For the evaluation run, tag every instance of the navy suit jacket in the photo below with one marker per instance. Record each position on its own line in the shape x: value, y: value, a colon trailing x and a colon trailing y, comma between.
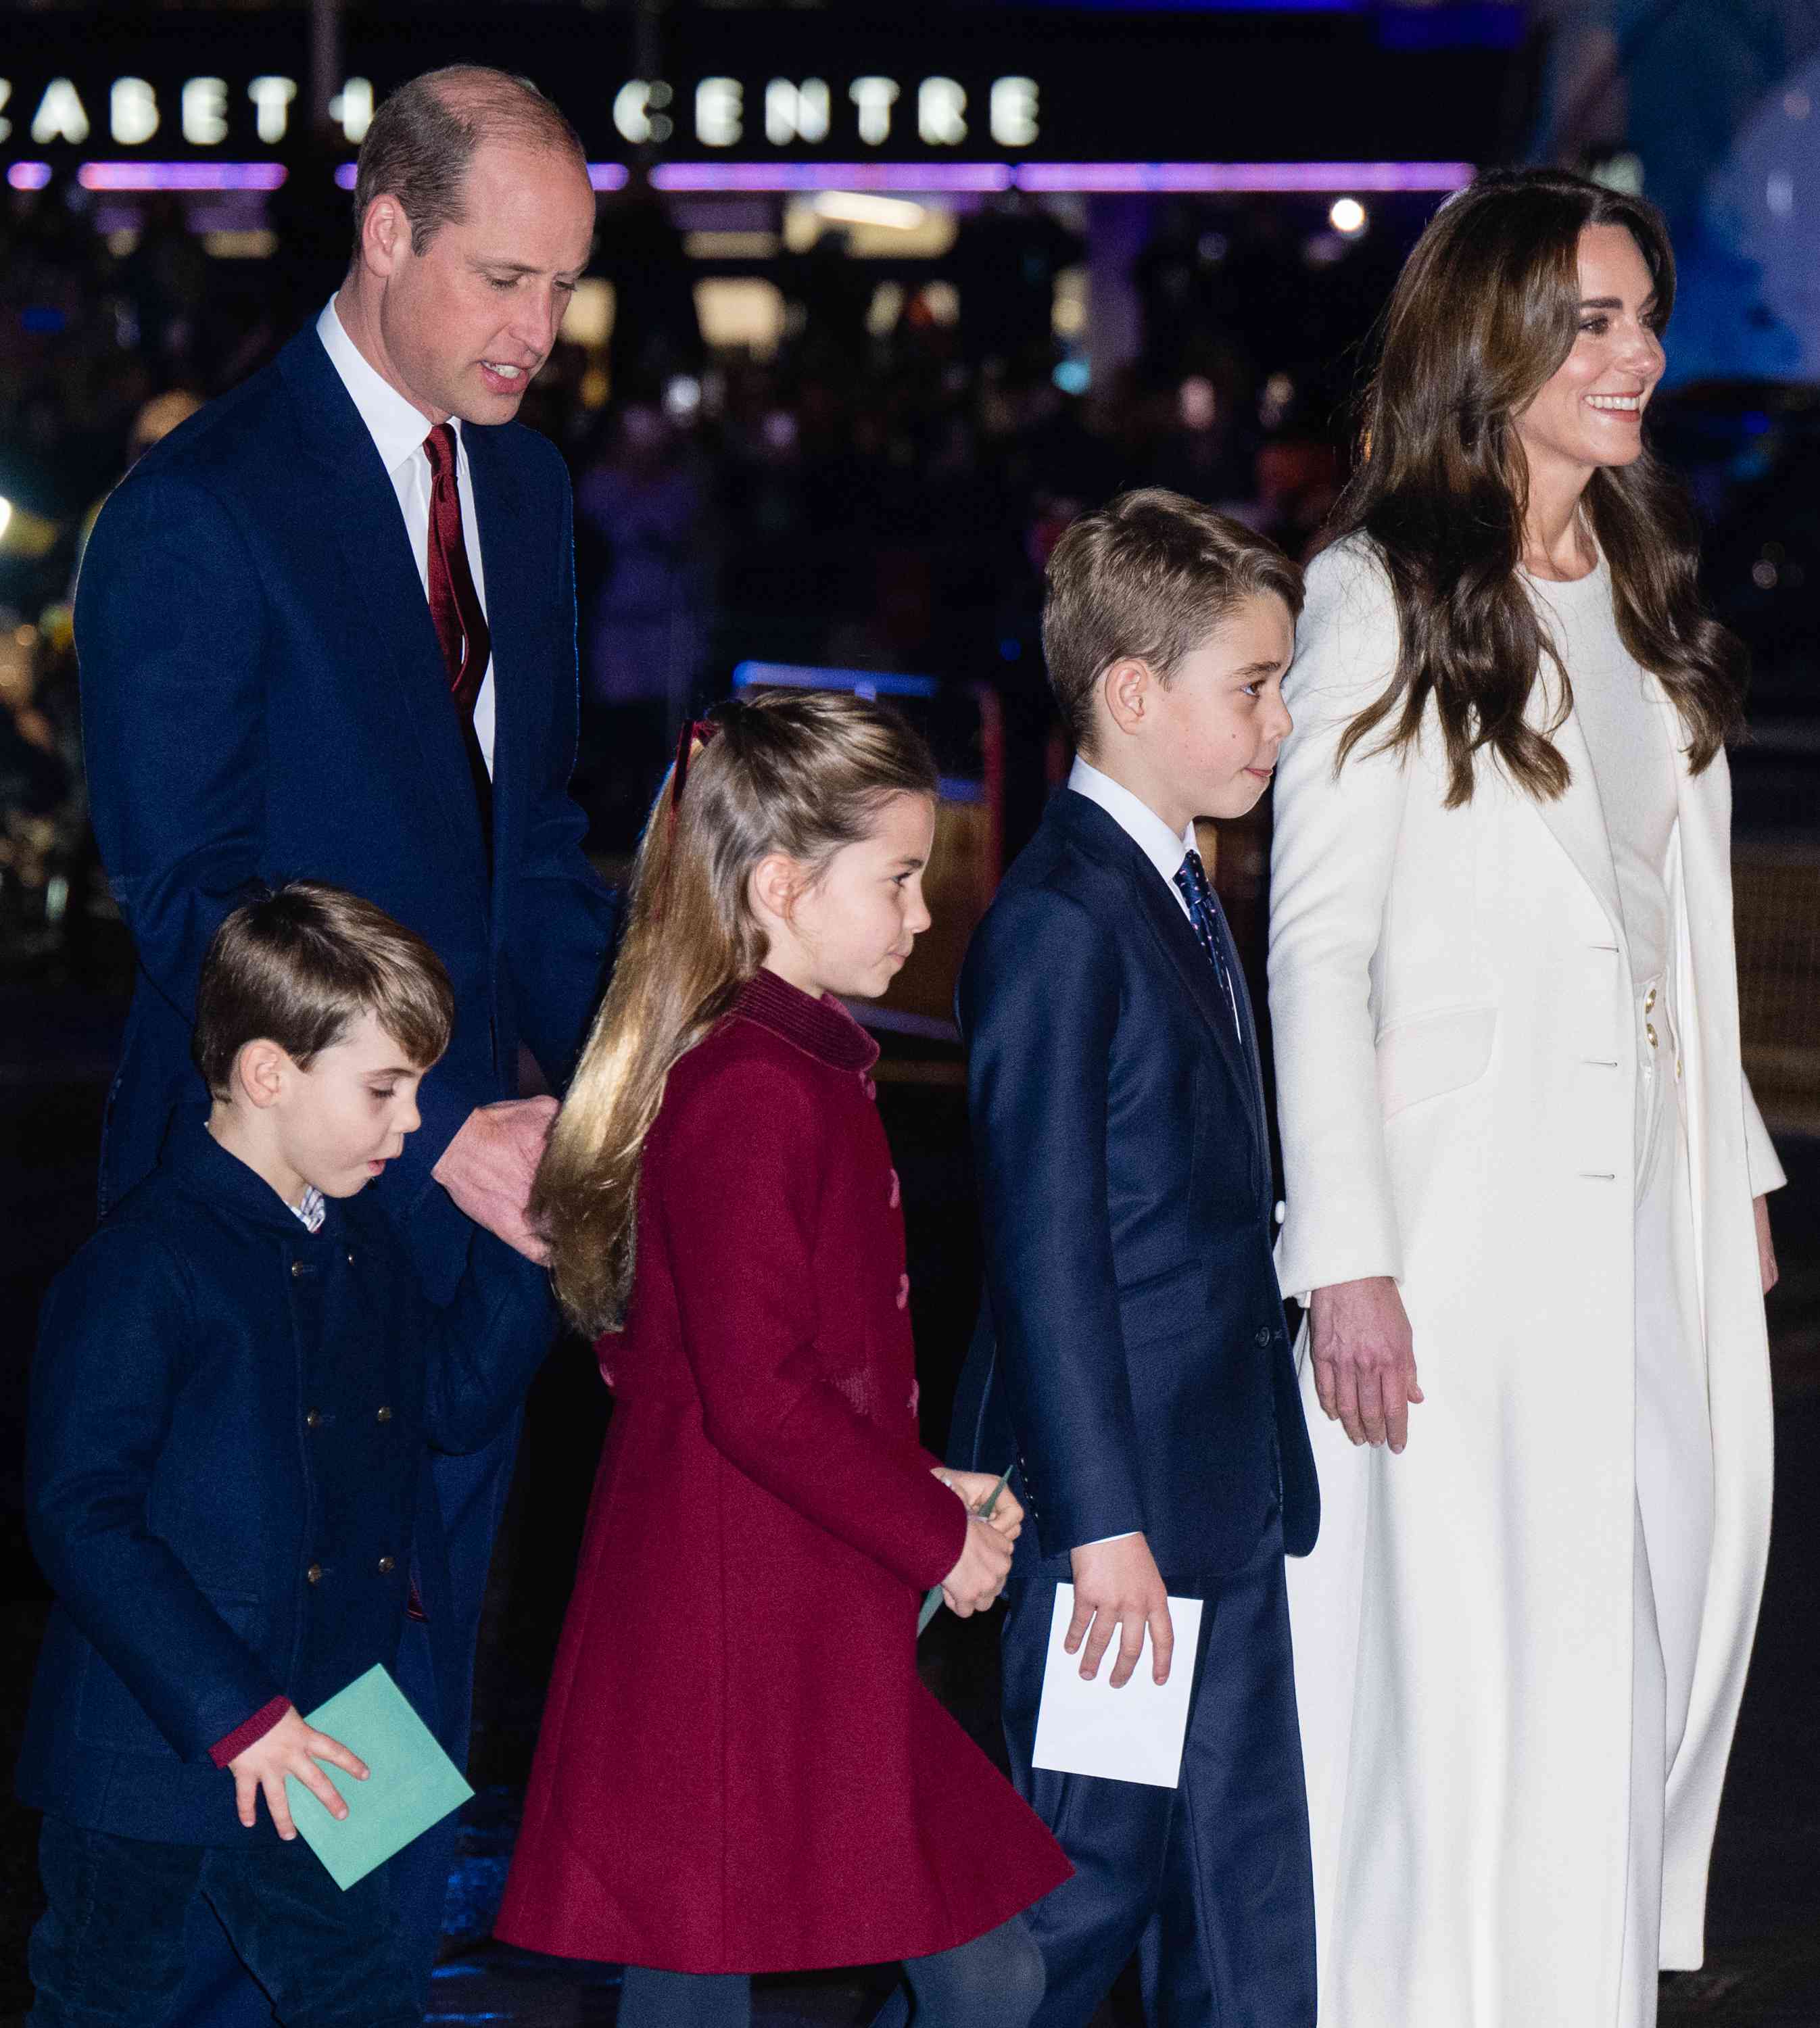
x: 224, y: 1402
x: 264, y: 697
x: 1133, y: 1357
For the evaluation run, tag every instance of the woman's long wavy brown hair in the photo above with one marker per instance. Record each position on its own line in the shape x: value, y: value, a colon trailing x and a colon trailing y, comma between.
x: 1484, y: 313
x: 799, y: 772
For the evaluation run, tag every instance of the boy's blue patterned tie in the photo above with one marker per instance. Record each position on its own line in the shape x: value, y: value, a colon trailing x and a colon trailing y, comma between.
x: 1210, y: 931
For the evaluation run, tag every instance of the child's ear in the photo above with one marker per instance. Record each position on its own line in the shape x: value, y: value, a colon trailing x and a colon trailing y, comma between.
x: 1126, y: 689
x: 259, y: 1073
x: 776, y: 881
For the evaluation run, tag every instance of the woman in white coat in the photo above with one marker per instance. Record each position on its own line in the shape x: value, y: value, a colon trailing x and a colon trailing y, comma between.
x: 1521, y: 1154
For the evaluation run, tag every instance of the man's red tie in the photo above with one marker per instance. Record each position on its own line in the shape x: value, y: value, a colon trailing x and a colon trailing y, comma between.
x: 454, y: 603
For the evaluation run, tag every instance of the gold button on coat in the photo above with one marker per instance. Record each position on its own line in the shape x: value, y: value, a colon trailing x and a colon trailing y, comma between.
x: 313, y: 1419
x: 1650, y: 1031
x: 314, y: 1573
x: 385, y: 1414
x: 386, y: 1566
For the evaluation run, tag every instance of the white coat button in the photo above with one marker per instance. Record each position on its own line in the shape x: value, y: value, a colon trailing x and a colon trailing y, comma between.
x: 1281, y: 1211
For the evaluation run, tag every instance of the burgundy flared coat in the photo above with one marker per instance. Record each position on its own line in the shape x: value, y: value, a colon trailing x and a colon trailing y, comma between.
x: 739, y: 1769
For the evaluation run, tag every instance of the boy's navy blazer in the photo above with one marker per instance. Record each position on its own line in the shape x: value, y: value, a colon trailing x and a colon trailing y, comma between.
x: 222, y: 1402
x: 1132, y: 1357
x: 264, y: 697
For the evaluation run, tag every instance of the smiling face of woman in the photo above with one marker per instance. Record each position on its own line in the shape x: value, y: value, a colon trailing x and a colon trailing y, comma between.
x: 1589, y: 412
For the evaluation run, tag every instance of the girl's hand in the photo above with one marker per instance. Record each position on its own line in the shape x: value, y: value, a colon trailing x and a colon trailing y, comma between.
x: 977, y: 1580
x: 975, y: 1488
x: 292, y: 1747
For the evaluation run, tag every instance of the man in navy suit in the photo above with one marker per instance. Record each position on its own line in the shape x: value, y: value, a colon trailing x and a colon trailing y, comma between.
x: 328, y: 628
x: 1133, y: 1358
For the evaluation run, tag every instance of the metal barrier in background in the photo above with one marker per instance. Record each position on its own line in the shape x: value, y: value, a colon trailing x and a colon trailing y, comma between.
x: 1776, y: 908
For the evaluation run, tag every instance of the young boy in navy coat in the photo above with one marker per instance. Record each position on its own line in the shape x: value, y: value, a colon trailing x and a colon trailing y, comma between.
x: 1133, y: 1358
x: 238, y: 1382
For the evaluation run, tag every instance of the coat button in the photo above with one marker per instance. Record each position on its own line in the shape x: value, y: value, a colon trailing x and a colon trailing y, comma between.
x: 313, y: 1419
x: 903, y: 1292
x: 386, y: 1566
x: 314, y: 1573
x: 350, y: 1256
x: 385, y: 1414
x: 1280, y: 1212
x: 1263, y: 1336
x: 298, y: 1270
x: 896, y: 1191
x: 1649, y: 1001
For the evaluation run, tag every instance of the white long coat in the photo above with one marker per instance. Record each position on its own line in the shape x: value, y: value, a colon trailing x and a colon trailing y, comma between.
x: 1456, y: 1043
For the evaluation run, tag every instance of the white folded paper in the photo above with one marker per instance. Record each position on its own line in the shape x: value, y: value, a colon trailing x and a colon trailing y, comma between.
x: 1131, y: 1734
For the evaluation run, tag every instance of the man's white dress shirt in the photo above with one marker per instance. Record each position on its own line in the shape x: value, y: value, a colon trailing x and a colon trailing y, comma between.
x: 398, y: 430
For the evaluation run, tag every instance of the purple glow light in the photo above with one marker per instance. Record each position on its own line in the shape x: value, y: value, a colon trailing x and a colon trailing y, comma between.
x: 181, y: 175
x: 607, y: 176
x: 911, y: 176
x: 1261, y: 178
x: 28, y: 176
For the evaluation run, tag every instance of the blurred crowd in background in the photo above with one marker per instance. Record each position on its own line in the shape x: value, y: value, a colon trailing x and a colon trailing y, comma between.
x: 875, y: 485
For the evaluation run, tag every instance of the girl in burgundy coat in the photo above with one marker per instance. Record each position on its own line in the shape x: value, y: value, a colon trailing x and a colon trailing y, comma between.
x: 739, y: 1771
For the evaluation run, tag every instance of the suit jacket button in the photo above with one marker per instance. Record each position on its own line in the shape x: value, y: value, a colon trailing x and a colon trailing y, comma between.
x: 386, y: 1566
x: 298, y: 1270
x: 314, y: 1573
x: 1263, y: 1336
x: 313, y: 1419
x: 385, y: 1414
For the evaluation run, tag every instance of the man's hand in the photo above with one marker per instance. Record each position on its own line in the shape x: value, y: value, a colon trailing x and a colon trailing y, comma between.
x: 292, y: 1747
x: 1364, y: 1359
x: 489, y: 1167
x: 977, y: 1580
x: 1118, y: 1589
x: 1766, y: 1265
x: 975, y: 1488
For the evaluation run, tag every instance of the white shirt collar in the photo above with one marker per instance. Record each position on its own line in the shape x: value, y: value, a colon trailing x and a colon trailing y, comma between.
x: 1140, y: 823
x: 396, y: 428
x: 311, y: 1208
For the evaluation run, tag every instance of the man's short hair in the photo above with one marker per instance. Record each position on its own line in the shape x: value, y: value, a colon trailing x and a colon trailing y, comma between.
x: 299, y: 966
x: 424, y: 136
x: 1149, y: 576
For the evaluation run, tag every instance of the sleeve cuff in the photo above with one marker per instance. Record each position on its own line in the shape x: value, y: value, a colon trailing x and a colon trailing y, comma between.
x: 250, y: 1733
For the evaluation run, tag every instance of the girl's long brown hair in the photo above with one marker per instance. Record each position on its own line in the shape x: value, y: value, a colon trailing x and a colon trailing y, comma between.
x: 799, y: 772
x: 1484, y: 313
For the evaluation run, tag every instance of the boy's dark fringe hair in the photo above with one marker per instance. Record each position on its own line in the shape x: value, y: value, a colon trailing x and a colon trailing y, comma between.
x: 299, y: 965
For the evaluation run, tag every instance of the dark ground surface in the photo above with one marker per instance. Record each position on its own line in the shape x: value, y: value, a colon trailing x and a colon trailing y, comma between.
x: 1763, y: 1957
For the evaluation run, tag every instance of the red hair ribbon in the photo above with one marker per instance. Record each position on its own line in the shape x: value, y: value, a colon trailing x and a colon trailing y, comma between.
x: 698, y: 732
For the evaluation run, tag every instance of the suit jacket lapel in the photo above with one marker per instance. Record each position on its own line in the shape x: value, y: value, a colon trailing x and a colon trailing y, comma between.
x: 358, y: 497
x: 1170, y: 928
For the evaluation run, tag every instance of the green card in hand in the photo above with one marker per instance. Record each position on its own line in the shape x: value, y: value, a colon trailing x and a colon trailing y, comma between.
x: 412, y: 1782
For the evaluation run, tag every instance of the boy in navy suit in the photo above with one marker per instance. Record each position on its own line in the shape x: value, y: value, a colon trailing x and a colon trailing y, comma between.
x: 237, y: 1380
x: 1133, y: 1358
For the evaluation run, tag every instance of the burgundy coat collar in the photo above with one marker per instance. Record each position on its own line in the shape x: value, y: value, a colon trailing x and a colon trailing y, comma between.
x: 821, y: 1028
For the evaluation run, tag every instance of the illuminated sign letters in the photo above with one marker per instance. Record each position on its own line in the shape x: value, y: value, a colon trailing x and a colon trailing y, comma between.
x: 720, y: 112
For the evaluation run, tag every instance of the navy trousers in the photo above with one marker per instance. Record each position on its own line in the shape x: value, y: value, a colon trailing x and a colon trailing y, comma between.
x: 113, y: 1945
x: 1210, y: 1883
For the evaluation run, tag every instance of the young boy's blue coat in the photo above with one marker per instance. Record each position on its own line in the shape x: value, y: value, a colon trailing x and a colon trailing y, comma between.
x: 227, y: 1474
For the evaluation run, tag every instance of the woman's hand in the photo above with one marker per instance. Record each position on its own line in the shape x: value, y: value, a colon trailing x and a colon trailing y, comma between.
x: 1364, y: 1359
x: 975, y: 1488
x: 1766, y: 1265
x: 977, y: 1580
